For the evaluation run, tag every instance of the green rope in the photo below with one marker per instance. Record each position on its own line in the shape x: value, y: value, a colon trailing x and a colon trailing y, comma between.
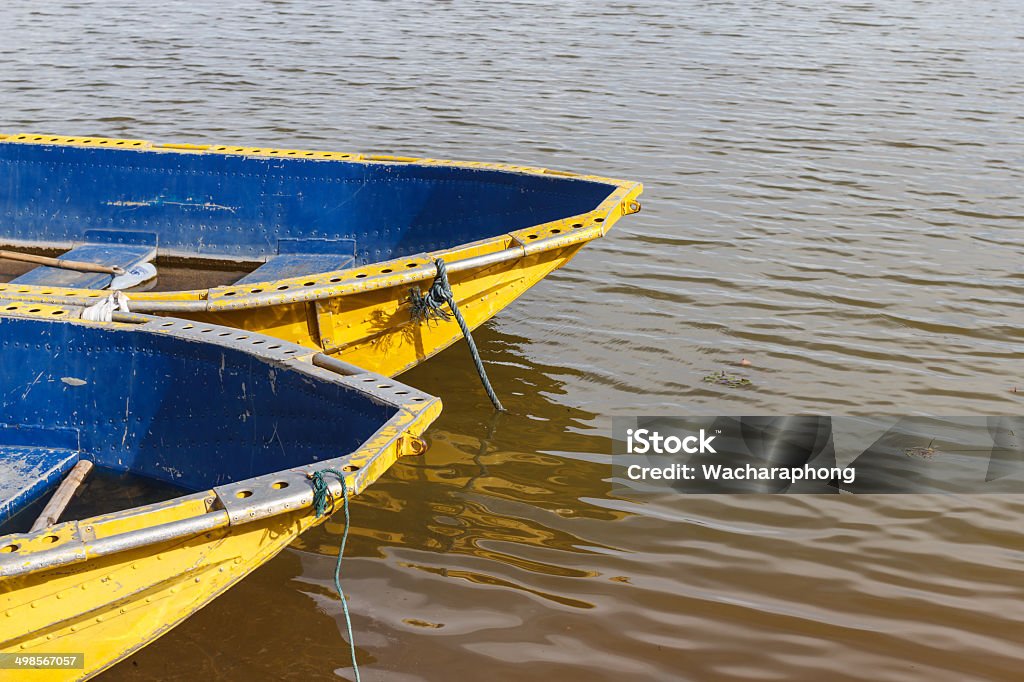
x: 321, y: 497
x: 429, y: 306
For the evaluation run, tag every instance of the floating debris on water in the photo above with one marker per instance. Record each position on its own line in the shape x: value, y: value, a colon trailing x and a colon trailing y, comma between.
x: 920, y: 452
x: 723, y: 378
x: 416, y: 622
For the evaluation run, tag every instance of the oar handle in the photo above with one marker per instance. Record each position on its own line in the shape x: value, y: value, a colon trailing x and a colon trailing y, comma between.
x: 61, y: 263
x: 60, y: 500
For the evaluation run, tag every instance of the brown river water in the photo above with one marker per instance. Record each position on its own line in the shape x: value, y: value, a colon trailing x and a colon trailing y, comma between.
x: 833, y: 193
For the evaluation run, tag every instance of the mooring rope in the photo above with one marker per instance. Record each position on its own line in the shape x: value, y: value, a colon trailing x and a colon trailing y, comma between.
x: 429, y: 306
x: 321, y: 496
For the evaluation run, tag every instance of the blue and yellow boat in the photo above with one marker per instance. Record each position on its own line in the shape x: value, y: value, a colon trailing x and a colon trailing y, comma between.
x: 316, y: 248
x: 237, y: 426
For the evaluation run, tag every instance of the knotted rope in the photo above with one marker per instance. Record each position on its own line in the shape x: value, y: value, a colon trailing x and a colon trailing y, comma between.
x: 428, y: 307
x: 321, y: 497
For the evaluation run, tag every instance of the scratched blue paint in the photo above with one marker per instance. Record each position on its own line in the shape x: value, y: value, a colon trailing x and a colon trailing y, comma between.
x: 235, y: 206
x: 191, y: 414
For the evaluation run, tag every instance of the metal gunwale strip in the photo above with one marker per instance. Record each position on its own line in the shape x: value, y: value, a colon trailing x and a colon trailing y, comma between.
x: 425, y: 272
x: 420, y: 274
x: 78, y: 551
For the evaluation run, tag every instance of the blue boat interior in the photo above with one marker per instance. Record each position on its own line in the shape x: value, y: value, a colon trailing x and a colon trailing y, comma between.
x: 175, y: 411
x: 293, y: 214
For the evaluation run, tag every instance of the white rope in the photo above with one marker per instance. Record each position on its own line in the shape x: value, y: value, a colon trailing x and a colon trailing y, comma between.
x: 104, y: 310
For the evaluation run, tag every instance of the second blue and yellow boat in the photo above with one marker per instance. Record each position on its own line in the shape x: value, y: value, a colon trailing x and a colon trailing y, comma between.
x: 235, y: 429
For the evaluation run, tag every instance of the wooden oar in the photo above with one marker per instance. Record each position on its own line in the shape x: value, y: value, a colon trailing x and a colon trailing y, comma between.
x: 60, y: 500
x: 62, y: 263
